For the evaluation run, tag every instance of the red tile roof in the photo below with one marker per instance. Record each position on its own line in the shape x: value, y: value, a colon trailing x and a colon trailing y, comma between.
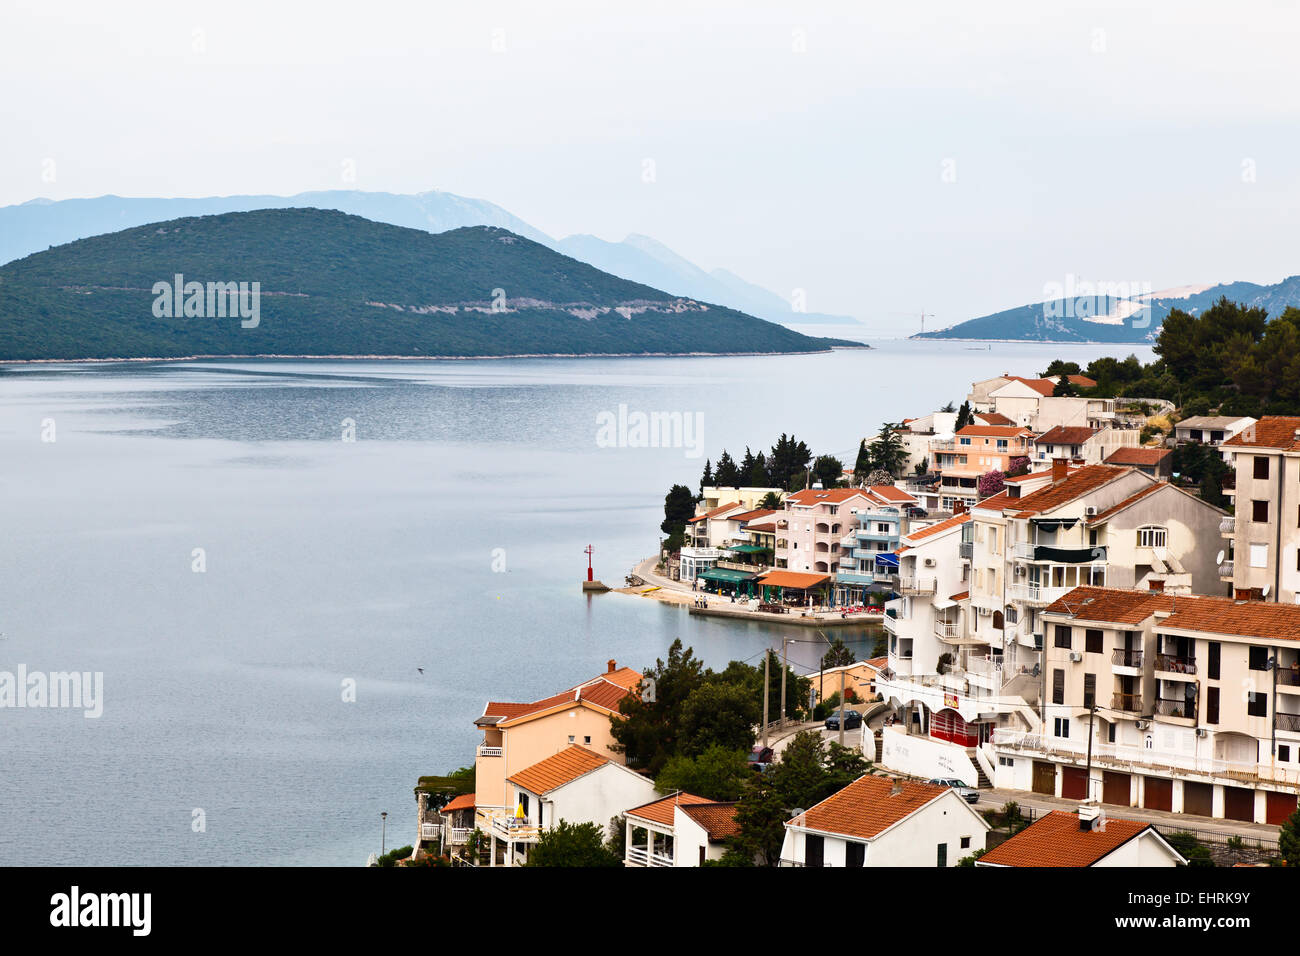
x: 868, y: 806
x: 1138, y: 456
x: 1066, y: 435
x: 604, y: 691
x: 816, y: 496
x: 463, y: 802
x: 994, y: 418
x: 891, y: 493
x: 1210, y: 615
x: 718, y: 819
x: 1043, y: 386
x: 1083, y: 380
x: 959, y: 596
x: 993, y: 431
x: 554, y: 772
x: 661, y: 811
x: 1056, y: 840
x: 945, y: 525
x: 1110, y: 605
x: 1271, y: 431
x: 751, y: 515
x: 770, y: 526
x: 1078, y: 483
x: 714, y: 512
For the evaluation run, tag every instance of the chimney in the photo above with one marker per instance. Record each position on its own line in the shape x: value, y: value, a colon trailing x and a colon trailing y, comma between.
x: 1090, y: 817
x: 1060, y: 468
x: 612, y: 666
x: 959, y: 507
x: 897, y: 787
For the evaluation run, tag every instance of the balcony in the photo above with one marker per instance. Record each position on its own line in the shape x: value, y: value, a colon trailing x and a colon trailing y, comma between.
x: 640, y: 856
x: 484, y: 751
x: 966, y: 549
x: 1037, y: 594
x: 1288, y: 677
x: 1288, y: 723
x: 1171, y: 664
x: 947, y: 630
x: 516, y: 831
x: 1179, y: 709
x: 1041, y: 553
x: 916, y: 585
x: 1228, y: 526
x: 1120, y: 657
x: 1225, y: 570
x: 702, y: 553
x: 1132, y: 703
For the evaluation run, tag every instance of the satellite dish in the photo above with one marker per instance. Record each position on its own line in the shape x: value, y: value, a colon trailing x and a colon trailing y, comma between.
x: 1219, y: 559
x: 1264, y: 592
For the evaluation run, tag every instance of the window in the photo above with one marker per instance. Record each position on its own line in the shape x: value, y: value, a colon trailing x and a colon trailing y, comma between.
x: 1110, y: 733
x: 1061, y: 727
x: 1256, y: 704
x: 1089, y: 690
x: 571, y: 738
x: 942, y: 855
x: 1259, y: 555
x: 1215, y: 650
x: 1259, y: 510
x: 1092, y: 641
x: 1284, y: 753
x: 1062, y: 634
x: 587, y: 740
x: 1152, y: 537
x: 1058, y: 686
x: 1006, y: 761
x: 965, y: 843
x: 814, y: 850
x: 855, y: 854
x: 1261, y: 466
x: 1259, y: 658
x: 1212, y: 705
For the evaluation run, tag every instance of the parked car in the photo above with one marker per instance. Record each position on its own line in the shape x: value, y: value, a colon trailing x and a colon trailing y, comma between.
x: 969, y: 794
x: 916, y: 511
x: 760, y: 757
x: 851, y: 719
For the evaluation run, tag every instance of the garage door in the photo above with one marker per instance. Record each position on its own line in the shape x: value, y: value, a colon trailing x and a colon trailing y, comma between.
x: 1115, y: 788
x: 1279, y: 806
x: 1044, y: 777
x: 1157, y: 793
x: 1074, y: 783
x: 1239, y: 803
x: 1198, y: 799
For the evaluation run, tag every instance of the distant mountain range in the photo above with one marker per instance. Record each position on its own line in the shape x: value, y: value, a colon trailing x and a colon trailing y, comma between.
x: 43, y: 223
x: 335, y: 284
x: 1097, y: 318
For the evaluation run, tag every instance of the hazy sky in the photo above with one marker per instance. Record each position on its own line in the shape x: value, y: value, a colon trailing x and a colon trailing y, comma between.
x: 885, y: 158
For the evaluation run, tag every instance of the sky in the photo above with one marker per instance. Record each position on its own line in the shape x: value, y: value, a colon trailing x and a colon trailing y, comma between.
x: 885, y: 159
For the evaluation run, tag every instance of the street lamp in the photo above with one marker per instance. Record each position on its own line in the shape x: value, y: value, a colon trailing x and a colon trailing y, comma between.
x: 383, y: 831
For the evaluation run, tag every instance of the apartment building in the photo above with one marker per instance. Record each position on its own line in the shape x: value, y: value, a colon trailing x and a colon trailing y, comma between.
x: 1211, y: 429
x: 1030, y: 402
x: 973, y: 451
x: 867, y: 560
x: 1261, y: 547
x: 810, y: 529
x: 924, y: 622
x: 1081, y: 443
x: 917, y: 434
x: 706, y: 535
x: 1188, y: 704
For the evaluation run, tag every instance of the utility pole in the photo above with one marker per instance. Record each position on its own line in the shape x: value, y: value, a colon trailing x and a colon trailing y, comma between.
x: 842, y: 708
x: 767, y: 695
x: 1092, y: 720
x: 784, y: 667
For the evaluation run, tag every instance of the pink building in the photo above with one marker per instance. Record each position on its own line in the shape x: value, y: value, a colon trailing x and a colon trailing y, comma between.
x: 809, y: 530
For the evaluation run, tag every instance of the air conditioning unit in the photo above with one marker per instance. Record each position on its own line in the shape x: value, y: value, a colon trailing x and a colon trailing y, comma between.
x: 1020, y: 570
x: 929, y: 562
x: 1141, y: 724
x: 1075, y: 657
x: 1090, y: 510
x: 1202, y: 732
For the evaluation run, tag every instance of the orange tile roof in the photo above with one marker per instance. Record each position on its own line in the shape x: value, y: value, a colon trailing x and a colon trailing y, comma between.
x: 627, y: 677
x: 994, y: 431
x: 816, y: 496
x: 463, y: 802
x: 1056, y: 840
x: 879, y: 663
x: 1043, y: 386
x: 1066, y: 435
x: 1083, y: 380
x: 867, y: 807
x: 995, y: 502
x: 1138, y: 456
x: 554, y: 772
x: 661, y: 811
x: 1078, y: 483
x: 1262, y: 619
x: 604, y: 691
x: 751, y: 515
x: 945, y: 525
x: 959, y: 596
x: 1271, y: 431
x: 1110, y: 605
x: 770, y: 526
x: 994, y: 418
x: 792, y: 579
x: 891, y: 493
x: 714, y: 512
x: 1029, y: 477
x: 718, y: 819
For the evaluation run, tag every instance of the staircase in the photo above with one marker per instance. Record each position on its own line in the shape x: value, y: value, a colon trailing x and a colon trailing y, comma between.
x: 983, y: 783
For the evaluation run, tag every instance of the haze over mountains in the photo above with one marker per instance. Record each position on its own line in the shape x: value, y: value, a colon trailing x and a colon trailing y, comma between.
x: 42, y: 223
x: 335, y: 284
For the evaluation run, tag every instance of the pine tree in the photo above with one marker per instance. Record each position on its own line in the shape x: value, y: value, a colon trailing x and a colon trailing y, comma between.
x: 706, y: 480
x: 963, y: 416
x: 727, y: 474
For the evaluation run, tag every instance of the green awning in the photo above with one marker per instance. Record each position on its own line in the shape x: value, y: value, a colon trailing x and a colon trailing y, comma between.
x: 726, y: 576
x: 748, y: 548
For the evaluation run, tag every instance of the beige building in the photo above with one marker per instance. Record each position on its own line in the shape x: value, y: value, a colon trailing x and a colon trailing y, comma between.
x: 1261, y: 544
x: 1189, y: 704
x: 1087, y: 445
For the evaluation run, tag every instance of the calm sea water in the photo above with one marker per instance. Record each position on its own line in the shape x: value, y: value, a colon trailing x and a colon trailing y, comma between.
x: 330, y: 561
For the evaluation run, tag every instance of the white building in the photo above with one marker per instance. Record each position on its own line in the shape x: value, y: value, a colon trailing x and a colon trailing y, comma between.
x: 880, y: 821
x: 680, y: 829
x: 1085, y: 838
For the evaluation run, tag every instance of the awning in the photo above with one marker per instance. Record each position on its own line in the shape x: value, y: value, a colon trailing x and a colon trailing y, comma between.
x: 940, y: 604
x: 793, y: 579
x: 747, y: 548
x: 1052, y: 524
x: 726, y: 576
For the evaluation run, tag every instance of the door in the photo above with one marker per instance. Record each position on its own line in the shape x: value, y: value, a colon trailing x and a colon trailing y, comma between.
x: 1198, y: 799
x: 1157, y: 793
x: 1239, y: 804
x: 1278, y: 806
x: 1115, y: 788
x: 1044, y: 777
x: 1074, y: 783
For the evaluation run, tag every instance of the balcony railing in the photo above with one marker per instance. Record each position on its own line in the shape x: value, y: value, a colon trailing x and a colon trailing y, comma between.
x: 966, y: 549
x: 1225, y: 569
x: 1128, y: 702
x: 490, y: 751
x: 1228, y: 525
x: 1172, y: 664
x: 916, y: 585
x: 1173, y: 707
x: 947, y: 630
x: 642, y: 857
x: 1121, y: 657
x: 1287, y: 722
x: 1037, y: 594
x: 1289, y: 677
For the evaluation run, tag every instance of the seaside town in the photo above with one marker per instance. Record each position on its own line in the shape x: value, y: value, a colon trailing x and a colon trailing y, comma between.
x: 1086, y: 624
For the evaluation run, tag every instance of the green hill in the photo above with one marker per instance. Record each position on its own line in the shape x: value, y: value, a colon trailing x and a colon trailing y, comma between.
x: 334, y: 284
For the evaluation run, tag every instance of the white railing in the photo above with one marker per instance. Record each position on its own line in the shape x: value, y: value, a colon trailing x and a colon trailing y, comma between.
x: 706, y: 554
x: 984, y: 666
x: 491, y: 751
x: 1152, y: 759
x: 429, y: 831
x: 642, y: 857
x: 1036, y: 594
x: 1023, y: 550
x: 916, y: 585
x: 947, y: 630
x: 516, y: 829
